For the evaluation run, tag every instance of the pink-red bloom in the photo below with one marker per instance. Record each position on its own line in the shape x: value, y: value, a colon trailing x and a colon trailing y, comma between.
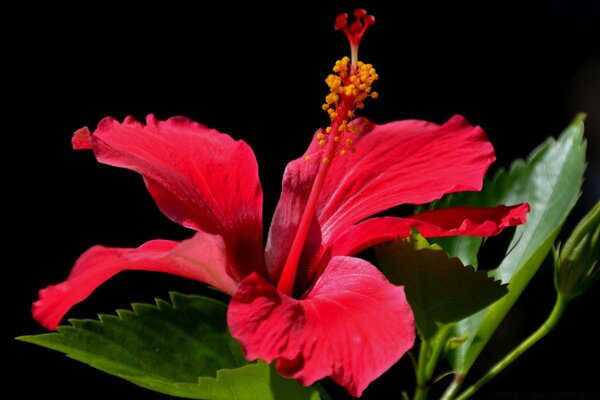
x: 304, y: 302
x: 341, y: 318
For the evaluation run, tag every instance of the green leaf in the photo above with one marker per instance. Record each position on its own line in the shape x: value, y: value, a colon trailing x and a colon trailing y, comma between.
x: 439, y: 289
x: 255, y: 382
x: 182, y: 348
x: 550, y: 181
x: 463, y: 247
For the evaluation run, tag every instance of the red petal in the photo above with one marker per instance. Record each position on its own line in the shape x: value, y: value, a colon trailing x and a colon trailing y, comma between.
x: 403, y: 162
x: 81, y: 139
x: 201, y: 258
x: 199, y: 177
x: 444, y: 222
x: 297, y: 183
x: 352, y: 326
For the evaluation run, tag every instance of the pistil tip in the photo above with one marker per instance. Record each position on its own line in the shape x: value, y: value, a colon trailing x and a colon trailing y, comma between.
x: 357, y: 29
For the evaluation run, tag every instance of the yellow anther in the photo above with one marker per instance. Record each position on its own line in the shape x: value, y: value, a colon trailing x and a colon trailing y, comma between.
x: 325, y: 160
x: 349, y: 86
x: 306, y: 158
x: 350, y: 90
x: 334, y: 82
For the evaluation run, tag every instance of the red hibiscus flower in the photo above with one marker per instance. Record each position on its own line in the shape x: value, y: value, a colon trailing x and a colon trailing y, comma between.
x: 304, y: 301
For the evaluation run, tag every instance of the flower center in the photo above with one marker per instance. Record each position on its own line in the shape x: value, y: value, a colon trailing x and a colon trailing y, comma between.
x: 349, y: 86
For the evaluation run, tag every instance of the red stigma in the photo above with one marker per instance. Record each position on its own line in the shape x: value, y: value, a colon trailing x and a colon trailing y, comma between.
x: 357, y: 29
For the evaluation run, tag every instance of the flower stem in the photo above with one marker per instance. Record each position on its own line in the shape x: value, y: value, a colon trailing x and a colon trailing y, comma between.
x: 440, y: 344
x: 454, y: 387
x: 543, y: 330
x: 429, y: 354
x: 422, y: 384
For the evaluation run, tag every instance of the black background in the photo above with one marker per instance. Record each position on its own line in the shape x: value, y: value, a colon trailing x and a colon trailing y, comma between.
x: 519, y: 69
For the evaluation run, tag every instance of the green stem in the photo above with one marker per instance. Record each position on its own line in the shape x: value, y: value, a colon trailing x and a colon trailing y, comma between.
x: 440, y: 345
x: 454, y: 387
x: 428, y: 359
x: 547, y: 326
x: 422, y: 384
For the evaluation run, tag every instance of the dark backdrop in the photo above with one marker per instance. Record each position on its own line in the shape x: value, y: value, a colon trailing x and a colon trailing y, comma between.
x: 518, y: 69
